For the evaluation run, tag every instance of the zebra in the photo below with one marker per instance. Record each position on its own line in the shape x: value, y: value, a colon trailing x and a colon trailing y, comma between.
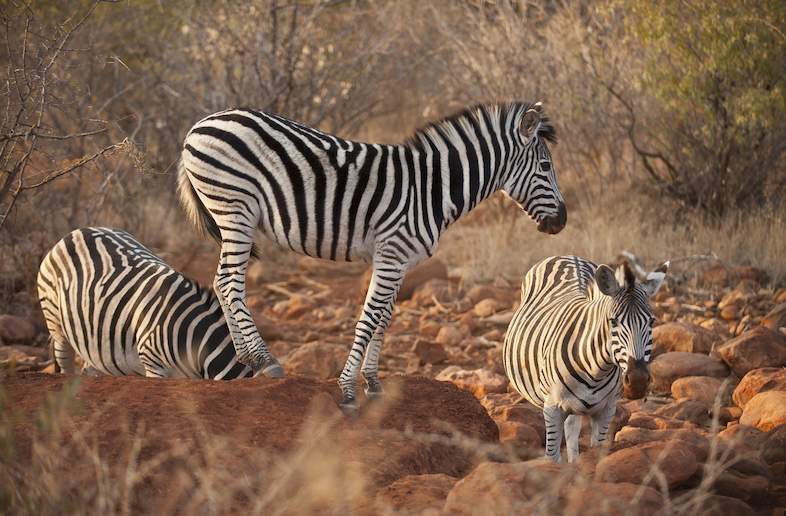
x: 125, y: 312
x: 244, y: 171
x: 581, y: 336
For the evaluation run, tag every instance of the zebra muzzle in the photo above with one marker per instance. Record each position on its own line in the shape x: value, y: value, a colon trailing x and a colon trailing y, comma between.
x: 554, y: 224
x: 636, y: 379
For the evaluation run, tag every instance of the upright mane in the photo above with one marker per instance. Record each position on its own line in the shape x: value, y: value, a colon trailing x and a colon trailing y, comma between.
x: 477, y: 114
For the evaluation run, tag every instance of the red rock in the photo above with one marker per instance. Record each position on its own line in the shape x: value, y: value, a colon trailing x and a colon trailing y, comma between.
x: 774, y: 449
x: 450, y: 336
x: 677, y: 364
x: 695, y: 439
x: 429, y: 352
x: 434, y: 291
x: 650, y: 422
x: 776, y: 318
x: 765, y: 411
x: 759, y: 347
x: 682, y: 336
x: 527, y: 414
x: 744, y: 291
x: 486, y: 307
x: 414, y: 494
x: 697, y: 412
x: 674, y: 459
x: 479, y: 381
x: 605, y: 498
x: 480, y: 292
x: 519, y: 434
x: 742, y: 438
x: 730, y: 313
x: 429, y: 328
x: 431, y: 269
x: 317, y: 359
x: 16, y: 330
x: 701, y: 388
x: 743, y: 487
x: 759, y: 380
x: 700, y: 502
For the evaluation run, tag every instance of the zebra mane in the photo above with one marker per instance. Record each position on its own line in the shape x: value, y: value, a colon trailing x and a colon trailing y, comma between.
x: 478, y: 113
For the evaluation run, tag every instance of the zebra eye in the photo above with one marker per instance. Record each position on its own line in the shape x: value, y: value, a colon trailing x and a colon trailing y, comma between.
x: 545, y: 166
x: 613, y: 321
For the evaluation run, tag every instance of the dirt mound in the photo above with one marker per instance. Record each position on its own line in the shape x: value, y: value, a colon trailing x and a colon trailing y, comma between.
x: 414, y: 432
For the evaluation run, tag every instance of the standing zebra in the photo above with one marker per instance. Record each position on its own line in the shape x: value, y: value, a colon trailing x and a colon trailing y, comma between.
x: 244, y: 170
x: 581, y: 335
x: 126, y: 312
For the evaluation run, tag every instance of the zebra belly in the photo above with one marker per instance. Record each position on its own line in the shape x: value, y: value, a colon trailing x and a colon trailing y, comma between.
x: 359, y: 249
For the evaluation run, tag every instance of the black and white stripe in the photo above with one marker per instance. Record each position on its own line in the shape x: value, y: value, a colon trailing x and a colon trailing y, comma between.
x: 580, y: 334
x: 126, y: 312
x: 244, y: 170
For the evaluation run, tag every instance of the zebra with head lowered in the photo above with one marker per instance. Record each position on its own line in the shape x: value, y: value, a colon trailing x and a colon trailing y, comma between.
x: 126, y: 312
x: 244, y: 170
x: 581, y: 336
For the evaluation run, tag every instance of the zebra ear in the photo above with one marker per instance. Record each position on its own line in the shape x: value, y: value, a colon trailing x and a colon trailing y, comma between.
x: 606, y: 280
x: 655, y: 279
x: 529, y: 124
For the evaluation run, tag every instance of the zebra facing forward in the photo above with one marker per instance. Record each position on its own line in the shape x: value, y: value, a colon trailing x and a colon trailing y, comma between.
x: 581, y: 336
x: 126, y: 312
x: 244, y: 170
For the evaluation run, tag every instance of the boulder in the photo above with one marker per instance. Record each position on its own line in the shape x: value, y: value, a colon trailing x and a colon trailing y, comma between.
x: 478, y: 381
x: 742, y: 438
x: 700, y: 502
x: 527, y: 414
x: 701, y: 388
x: 16, y: 330
x: 775, y: 318
x: 774, y: 449
x: 414, y: 494
x: 693, y: 438
x: 759, y: 380
x: 604, y: 498
x: 521, y: 435
x: 429, y: 352
x: 683, y: 336
x: 677, y: 364
x: 759, y: 347
x: 431, y: 269
x: 651, y: 422
x: 674, y: 459
x: 765, y: 411
x: 317, y: 359
x: 740, y: 486
x: 744, y: 292
x: 697, y: 412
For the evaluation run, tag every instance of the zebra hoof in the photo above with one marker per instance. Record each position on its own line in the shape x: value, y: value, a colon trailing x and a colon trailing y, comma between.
x: 350, y: 408
x: 374, y: 391
x: 273, y: 371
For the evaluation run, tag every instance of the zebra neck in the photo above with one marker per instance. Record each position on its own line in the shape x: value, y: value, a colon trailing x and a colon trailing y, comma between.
x: 601, y: 338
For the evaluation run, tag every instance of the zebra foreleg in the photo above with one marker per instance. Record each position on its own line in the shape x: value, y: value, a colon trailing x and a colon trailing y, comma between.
x: 554, y: 417
x: 601, y: 421
x: 230, y: 286
x: 572, y: 430
x: 377, y: 311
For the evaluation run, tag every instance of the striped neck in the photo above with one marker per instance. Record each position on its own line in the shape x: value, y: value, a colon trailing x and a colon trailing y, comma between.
x: 463, y: 158
x: 601, y: 338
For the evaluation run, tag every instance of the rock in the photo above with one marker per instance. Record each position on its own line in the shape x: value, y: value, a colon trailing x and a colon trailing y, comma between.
x: 604, y: 498
x: 765, y: 411
x: 677, y: 364
x: 695, y: 439
x: 414, y: 494
x: 716, y: 326
x: 527, y: 414
x: 730, y: 313
x: 701, y: 388
x: 650, y: 422
x: 450, y: 336
x: 697, y: 412
x: 519, y: 434
x: 429, y: 328
x: 494, y: 488
x: 759, y: 380
x: 744, y: 291
x: 759, y: 347
x: 22, y: 353
x: 742, y: 438
x: 486, y: 308
x: 431, y: 269
x: 704, y: 504
x: 16, y: 330
x: 295, y: 307
x: 774, y: 449
x: 727, y: 414
x: 743, y: 487
x: 479, y: 381
x: 435, y: 290
x: 674, y: 459
x: 317, y: 359
x: 429, y: 352
x: 775, y: 318
x: 480, y: 292
x: 682, y: 336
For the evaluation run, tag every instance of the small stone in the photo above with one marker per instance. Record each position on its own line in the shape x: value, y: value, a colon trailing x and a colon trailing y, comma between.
x: 429, y: 352
x: 745, y: 291
x: 486, y: 308
x: 479, y: 293
x: 776, y: 318
x: 730, y: 312
x: 519, y: 434
x: 765, y: 411
x: 449, y: 336
x: 429, y: 328
x: 479, y: 381
x: 317, y: 359
x: 431, y: 269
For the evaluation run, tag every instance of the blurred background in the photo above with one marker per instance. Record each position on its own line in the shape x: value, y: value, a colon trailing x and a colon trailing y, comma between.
x: 671, y: 118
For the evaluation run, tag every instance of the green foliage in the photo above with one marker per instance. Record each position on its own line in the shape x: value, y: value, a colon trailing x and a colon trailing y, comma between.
x: 717, y: 72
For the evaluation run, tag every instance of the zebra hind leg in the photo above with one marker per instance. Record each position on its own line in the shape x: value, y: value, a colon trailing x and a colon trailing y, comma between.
x: 572, y: 430
x: 373, y: 388
x: 230, y: 286
x: 555, y: 421
x: 62, y: 354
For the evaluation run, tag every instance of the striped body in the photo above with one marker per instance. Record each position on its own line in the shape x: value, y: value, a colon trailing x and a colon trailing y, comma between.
x: 570, y: 344
x: 126, y: 312
x: 244, y: 171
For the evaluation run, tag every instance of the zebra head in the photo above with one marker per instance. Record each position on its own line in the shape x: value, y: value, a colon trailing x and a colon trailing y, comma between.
x: 532, y: 181
x: 630, y: 319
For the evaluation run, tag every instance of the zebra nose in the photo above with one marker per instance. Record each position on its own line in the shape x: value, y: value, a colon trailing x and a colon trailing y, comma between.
x: 554, y: 224
x: 636, y: 379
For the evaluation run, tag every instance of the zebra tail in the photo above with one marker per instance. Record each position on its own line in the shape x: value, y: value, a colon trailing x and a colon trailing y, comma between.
x: 196, y: 211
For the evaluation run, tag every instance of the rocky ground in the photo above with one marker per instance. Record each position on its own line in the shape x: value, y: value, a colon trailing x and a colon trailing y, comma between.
x: 711, y: 434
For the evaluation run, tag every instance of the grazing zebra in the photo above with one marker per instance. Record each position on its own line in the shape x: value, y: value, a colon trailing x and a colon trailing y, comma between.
x: 126, y: 312
x: 244, y: 170
x: 581, y: 336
